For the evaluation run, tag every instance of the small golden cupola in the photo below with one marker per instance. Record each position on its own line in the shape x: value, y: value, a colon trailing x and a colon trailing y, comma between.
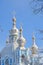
x: 21, y: 40
x: 34, y: 47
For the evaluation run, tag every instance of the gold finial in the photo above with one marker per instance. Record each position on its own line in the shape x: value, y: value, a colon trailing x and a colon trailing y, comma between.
x: 14, y: 19
x: 20, y: 31
x: 14, y: 16
x: 33, y: 37
x: 21, y: 28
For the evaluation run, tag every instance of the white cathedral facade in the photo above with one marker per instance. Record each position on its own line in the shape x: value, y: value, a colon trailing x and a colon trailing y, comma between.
x: 15, y: 53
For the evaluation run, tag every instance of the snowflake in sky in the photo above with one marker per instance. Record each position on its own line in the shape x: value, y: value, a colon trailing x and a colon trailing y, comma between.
x: 37, y: 6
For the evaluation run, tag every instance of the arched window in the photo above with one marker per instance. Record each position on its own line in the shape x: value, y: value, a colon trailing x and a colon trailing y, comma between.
x: 7, y: 61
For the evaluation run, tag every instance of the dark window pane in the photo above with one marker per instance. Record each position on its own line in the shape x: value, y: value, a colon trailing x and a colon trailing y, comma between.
x: 0, y: 62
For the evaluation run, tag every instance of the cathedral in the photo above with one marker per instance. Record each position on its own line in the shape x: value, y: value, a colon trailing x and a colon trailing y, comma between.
x: 15, y: 53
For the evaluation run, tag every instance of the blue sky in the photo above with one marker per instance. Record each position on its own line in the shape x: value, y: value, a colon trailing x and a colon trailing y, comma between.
x: 24, y: 15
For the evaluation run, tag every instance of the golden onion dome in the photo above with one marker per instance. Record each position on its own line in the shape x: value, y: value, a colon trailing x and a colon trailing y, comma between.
x: 21, y: 40
x: 34, y: 47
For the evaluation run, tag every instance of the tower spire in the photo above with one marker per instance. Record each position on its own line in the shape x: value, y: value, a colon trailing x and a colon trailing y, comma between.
x: 14, y: 22
x: 33, y: 39
x: 21, y: 40
x: 34, y: 46
x: 20, y: 31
